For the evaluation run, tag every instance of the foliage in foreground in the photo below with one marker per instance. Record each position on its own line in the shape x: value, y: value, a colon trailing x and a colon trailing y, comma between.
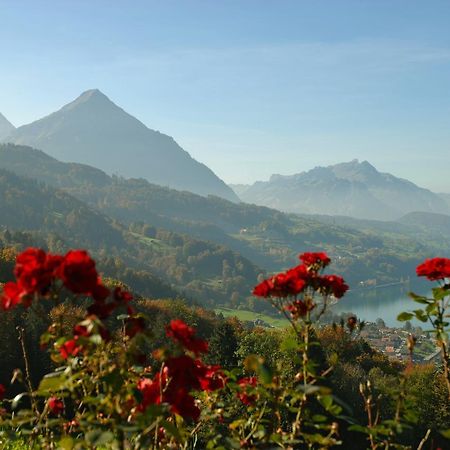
x: 112, y: 387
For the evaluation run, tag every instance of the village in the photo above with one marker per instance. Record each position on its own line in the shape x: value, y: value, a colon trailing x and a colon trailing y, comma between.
x: 393, y: 342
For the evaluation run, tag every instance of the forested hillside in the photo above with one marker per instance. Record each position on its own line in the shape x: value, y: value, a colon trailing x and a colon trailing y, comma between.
x: 267, y: 237
x: 154, y: 261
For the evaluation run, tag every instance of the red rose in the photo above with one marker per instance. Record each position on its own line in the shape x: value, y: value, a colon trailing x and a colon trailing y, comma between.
x: 78, y: 272
x: 151, y: 392
x: 244, y: 385
x: 69, y: 348
x: 332, y: 284
x: 185, y: 335
x: 315, y: 260
x: 300, y: 308
x: 434, y: 269
x: 121, y: 296
x: 35, y: 270
x: 180, y: 375
x: 263, y: 289
x: 100, y: 292
x: 292, y: 282
x: 183, y: 404
x: 12, y: 295
x: 81, y: 330
x: 212, y: 378
x: 55, y: 405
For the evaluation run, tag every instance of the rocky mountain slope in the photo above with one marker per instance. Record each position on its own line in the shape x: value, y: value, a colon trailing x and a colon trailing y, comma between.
x: 93, y: 130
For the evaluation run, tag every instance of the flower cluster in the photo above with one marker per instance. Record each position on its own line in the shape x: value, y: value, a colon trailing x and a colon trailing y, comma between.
x: 55, y: 405
x: 36, y: 271
x: 185, y: 336
x: 180, y: 375
x: 434, y: 269
x: 306, y: 275
x: 245, y: 385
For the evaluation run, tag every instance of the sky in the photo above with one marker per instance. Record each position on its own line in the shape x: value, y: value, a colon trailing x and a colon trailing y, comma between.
x: 250, y: 88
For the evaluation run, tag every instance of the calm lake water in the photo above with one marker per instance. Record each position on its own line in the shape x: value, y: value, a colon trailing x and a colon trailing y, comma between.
x: 385, y: 303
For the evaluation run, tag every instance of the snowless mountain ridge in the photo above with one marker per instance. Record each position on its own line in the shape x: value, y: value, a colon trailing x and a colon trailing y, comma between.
x: 354, y: 188
x: 93, y: 130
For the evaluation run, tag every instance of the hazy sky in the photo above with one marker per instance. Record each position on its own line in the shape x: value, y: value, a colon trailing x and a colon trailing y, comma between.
x: 250, y: 88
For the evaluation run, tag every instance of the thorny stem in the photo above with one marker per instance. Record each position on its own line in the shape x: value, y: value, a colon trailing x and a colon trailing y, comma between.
x: 297, y: 424
x: 442, y: 342
x: 445, y: 360
x: 255, y: 425
x: 425, y: 438
x: 27, y: 370
x: 370, y: 424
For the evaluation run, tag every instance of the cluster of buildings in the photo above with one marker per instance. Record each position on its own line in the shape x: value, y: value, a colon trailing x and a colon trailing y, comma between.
x: 393, y: 342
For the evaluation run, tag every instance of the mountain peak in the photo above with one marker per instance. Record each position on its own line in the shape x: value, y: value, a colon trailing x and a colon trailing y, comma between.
x: 356, y: 171
x: 91, y: 96
x: 93, y: 130
x: 6, y: 127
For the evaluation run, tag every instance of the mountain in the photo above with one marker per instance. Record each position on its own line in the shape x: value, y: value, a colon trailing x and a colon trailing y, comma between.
x: 6, y: 127
x: 153, y: 261
x: 93, y: 130
x: 265, y: 237
x: 354, y: 188
x: 446, y: 198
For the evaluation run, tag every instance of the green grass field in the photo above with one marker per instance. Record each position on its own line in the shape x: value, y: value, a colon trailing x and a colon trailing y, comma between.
x: 243, y: 315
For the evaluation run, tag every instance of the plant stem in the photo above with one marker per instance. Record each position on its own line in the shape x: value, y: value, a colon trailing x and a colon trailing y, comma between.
x: 27, y: 370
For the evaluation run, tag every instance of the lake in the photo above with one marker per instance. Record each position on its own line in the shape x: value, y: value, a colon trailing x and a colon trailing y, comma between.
x: 385, y: 303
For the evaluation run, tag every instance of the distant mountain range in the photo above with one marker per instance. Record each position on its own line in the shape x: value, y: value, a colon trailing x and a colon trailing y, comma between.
x: 354, y: 188
x: 93, y: 130
x: 446, y: 198
x: 6, y: 127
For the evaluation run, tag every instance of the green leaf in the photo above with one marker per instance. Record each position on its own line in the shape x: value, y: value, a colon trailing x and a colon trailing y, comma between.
x: 319, y: 418
x: 114, y: 379
x: 439, y: 293
x: 326, y: 401
x: 66, y: 443
x: 404, y: 316
x: 171, y: 429
x: 420, y: 315
x: 265, y: 374
x: 52, y: 382
x: 419, y: 298
x: 98, y: 437
x: 446, y: 433
x: 358, y: 428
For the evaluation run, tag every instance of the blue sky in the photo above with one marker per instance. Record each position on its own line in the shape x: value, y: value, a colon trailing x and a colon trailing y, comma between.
x: 250, y: 88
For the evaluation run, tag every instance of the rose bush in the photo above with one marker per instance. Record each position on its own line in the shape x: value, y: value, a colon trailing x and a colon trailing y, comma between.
x: 107, y: 390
